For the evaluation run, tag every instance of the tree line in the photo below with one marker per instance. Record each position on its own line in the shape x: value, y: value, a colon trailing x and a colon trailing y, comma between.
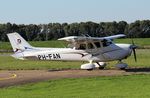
x: 53, y: 31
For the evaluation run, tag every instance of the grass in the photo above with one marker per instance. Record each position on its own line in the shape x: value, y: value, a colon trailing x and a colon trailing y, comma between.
x: 138, y: 41
x: 133, y: 86
x: 143, y: 56
x: 7, y: 62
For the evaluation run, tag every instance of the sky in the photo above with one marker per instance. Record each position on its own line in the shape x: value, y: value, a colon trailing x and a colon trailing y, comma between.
x: 70, y: 11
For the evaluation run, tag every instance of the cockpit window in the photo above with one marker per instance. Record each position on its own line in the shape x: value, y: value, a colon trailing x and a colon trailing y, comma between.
x: 106, y: 43
x: 90, y: 46
x: 97, y: 44
x: 82, y: 46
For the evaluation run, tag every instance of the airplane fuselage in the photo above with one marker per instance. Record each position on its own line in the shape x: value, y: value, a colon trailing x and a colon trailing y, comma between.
x: 81, y: 48
x: 110, y: 53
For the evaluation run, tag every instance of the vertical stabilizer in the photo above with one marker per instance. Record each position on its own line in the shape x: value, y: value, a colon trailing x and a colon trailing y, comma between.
x: 18, y: 43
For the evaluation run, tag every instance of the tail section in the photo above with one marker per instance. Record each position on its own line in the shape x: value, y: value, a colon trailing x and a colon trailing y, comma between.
x: 18, y: 43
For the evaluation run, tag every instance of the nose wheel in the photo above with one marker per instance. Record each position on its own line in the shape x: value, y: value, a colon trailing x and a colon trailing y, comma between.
x: 121, y: 65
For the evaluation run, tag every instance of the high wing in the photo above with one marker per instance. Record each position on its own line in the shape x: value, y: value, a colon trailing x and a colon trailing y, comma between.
x: 114, y: 36
x: 84, y: 38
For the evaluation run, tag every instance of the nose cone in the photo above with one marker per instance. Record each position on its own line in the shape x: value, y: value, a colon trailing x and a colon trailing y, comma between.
x: 133, y: 46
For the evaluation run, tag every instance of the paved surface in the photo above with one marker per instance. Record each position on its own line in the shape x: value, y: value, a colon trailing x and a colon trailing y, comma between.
x: 18, y: 77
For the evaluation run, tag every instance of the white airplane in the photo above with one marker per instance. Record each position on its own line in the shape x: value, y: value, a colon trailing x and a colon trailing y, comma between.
x: 95, y: 50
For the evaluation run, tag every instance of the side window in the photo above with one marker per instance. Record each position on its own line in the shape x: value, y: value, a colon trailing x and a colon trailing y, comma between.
x: 97, y: 44
x: 82, y: 46
x: 90, y: 46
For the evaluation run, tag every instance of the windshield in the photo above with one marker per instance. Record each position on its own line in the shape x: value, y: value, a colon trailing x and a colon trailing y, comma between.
x: 106, y: 43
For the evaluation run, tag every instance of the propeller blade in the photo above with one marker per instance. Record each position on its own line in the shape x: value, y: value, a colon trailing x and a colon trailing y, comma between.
x: 132, y: 42
x: 133, y: 47
x: 134, y: 52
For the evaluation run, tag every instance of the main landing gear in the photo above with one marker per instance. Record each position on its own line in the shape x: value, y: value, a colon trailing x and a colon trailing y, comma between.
x: 101, y: 65
x: 90, y: 66
x: 121, y: 65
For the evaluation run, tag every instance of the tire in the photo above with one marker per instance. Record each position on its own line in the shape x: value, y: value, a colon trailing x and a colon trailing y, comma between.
x: 89, y: 69
x: 101, y: 68
x: 122, y: 68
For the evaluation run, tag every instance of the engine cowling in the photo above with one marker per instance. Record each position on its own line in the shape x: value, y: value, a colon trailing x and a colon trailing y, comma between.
x: 88, y: 66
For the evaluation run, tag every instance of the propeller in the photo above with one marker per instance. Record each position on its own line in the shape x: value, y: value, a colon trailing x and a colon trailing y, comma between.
x: 133, y: 47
